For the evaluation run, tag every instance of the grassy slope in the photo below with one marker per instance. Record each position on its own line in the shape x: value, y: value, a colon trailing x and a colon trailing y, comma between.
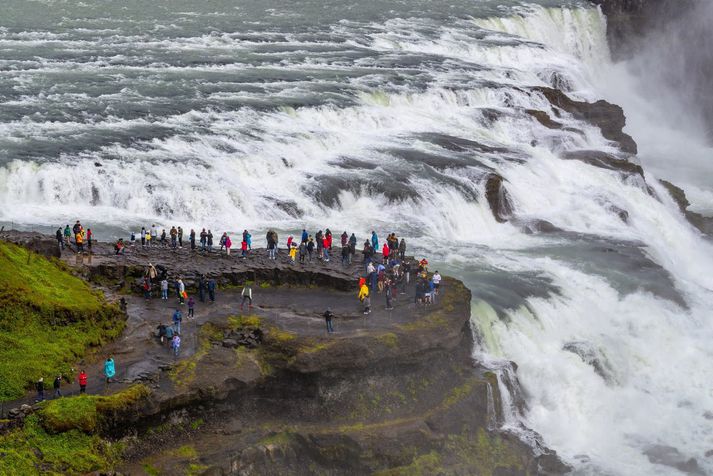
x: 48, y: 319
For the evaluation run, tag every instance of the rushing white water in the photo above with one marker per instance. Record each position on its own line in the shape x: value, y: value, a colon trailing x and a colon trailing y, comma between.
x: 394, y: 124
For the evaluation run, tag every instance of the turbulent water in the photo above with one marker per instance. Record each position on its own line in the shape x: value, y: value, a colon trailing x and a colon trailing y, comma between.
x: 389, y: 115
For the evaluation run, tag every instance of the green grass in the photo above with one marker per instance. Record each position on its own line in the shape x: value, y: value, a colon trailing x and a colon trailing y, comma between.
x: 48, y: 320
x: 85, y: 412
x: 32, y: 450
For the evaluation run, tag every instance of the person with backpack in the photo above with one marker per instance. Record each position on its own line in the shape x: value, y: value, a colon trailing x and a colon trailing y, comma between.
x: 310, y: 248
x: 305, y: 236
x: 82, y: 379
x: 247, y: 295
x: 177, y: 318
x: 60, y: 239
x: 67, y: 234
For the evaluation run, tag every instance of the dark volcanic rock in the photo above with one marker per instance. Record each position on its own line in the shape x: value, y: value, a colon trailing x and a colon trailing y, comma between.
x: 703, y: 223
x: 608, y: 117
x: 37, y: 242
x: 601, y: 159
x: 498, y: 198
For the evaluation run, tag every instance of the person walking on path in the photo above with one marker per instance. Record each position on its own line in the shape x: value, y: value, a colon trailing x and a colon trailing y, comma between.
x: 82, y: 379
x: 364, y: 298
x: 40, y: 386
x: 109, y: 369
x: 211, y: 289
x: 247, y: 295
x: 201, y: 288
x: 181, y: 291
x: 177, y: 318
x: 328, y: 316
x: 147, y: 288
x: 169, y: 335
x: 56, y: 385
x: 191, y: 305
x: 176, y: 344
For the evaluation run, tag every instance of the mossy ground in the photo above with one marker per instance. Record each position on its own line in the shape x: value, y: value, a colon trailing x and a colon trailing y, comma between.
x: 48, y: 319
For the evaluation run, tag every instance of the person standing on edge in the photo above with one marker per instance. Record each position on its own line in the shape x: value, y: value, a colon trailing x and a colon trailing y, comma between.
x: 209, y: 240
x: 40, y: 386
x: 176, y: 344
x: 249, y: 240
x: 143, y: 237
x: 174, y: 237
x: 402, y: 249
x: 60, y: 238
x: 90, y: 235
x: 326, y: 247
x: 364, y: 298
x: 192, y: 239
x: 385, y: 253
x: 328, y: 237
x: 56, y: 385
x: 345, y: 255
x: 345, y: 238
x: 148, y: 238
x: 211, y: 289
x: 305, y: 236
x: 228, y: 244
x: 244, y: 248
x: 293, y: 252
x: 154, y: 233
x: 319, y: 238
x: 247, y: 295
x: 109, y: 369
x: 374, y: 241
x: 310, y: 249
x: 177, y: 318
x: 436, y: 279
x: 164, y: 289
x: 180, y: 237
x: 328, y: 316
x: 67, y: 234
x: 352, y: 247
x: 303, y: 252
x: 191, y: 305
x: 82, y: 379
x: 204, y: 239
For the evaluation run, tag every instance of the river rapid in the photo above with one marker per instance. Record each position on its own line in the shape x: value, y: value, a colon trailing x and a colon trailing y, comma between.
x: 390, y: 115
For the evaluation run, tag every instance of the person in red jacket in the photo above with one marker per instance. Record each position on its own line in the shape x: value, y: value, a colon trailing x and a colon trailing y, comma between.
x: 385, y: 252
x: 82, y: 379
x: 325, y: 247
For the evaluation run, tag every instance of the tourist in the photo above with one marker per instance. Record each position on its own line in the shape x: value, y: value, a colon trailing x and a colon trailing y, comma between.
x: 109, y: 369
x: 366, y: 252
x: 181, y: 291
x: 60, y: 239
x: 326, y: 247
x: 346, y: 253
x: 177, y: 319
x: 40, y: 386
x: 222, y: 241
x: 201, y: 288
x: 244, y: 249
x: 389, y: 296
x: 82, y: 379
x: 192, y: 239
x: 209, y: 240
x: 164, y: 238
x: 79, y: 241
x: 293, y: 252
x: 143, y: 236
x: 289, y: 242
x: 247, y: 295
x: 67, y: 234
x: 148, y: 238
x: 371, y: 276
x: 180, y: 237
x: 271, y: 239
x: 402, y: 249
x: 305, y: 236
x: 310, y: 248
x: 406, y: 271
x: 191, y: 306
x: 161, y: 331
x: 249, y: 240
x: 228, y: 244
x: 303, y: 251
x: 211, y: 289
x: 132, y: 239
x: 204, y: 239
x: 319, y: 240
x: 328, y: 316
x: 385, y: 252
x: 174, y: 237
x: 164, y: 289
x: 436, y: 279
x: 169, y: 334
x: 364, y: 298
x: 147, y: 288
x: 119, y: 247
x: 374, y: 240
x: 328, y: 238
x: 154, y: 233
x: 345, y: 238
x: 56, y: 385
x: 176, y: 344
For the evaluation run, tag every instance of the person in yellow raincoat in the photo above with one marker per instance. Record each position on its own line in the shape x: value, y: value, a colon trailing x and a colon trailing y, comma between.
x: 364, y: 298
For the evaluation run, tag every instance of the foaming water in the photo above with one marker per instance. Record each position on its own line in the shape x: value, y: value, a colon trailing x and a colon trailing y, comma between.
x: 392, y: 122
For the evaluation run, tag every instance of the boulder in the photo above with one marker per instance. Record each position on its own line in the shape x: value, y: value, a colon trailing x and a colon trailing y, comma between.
x: 498, y: 198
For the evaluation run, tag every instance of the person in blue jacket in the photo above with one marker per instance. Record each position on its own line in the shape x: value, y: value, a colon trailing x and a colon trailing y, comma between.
x: 177, y: 318
x: 374, y: 240
x: 109, y: 369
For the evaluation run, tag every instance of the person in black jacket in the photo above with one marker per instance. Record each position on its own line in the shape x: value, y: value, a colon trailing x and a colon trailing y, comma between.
x: 56, y: 385
x: 60, y: 238
x: 40, y: 386
x: 328, y: 316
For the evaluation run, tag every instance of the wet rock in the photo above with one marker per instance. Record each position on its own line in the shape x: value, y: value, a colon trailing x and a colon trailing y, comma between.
x: 595, y: 357
x: 37, y: 242
x: 608, y: 117
x: 230, y: 343
x: 539, y: 226
x: 498, y: 198
x: 606, y: 161
x: 703, y: 223
x: 672, y: 457
x: 543, y: 118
